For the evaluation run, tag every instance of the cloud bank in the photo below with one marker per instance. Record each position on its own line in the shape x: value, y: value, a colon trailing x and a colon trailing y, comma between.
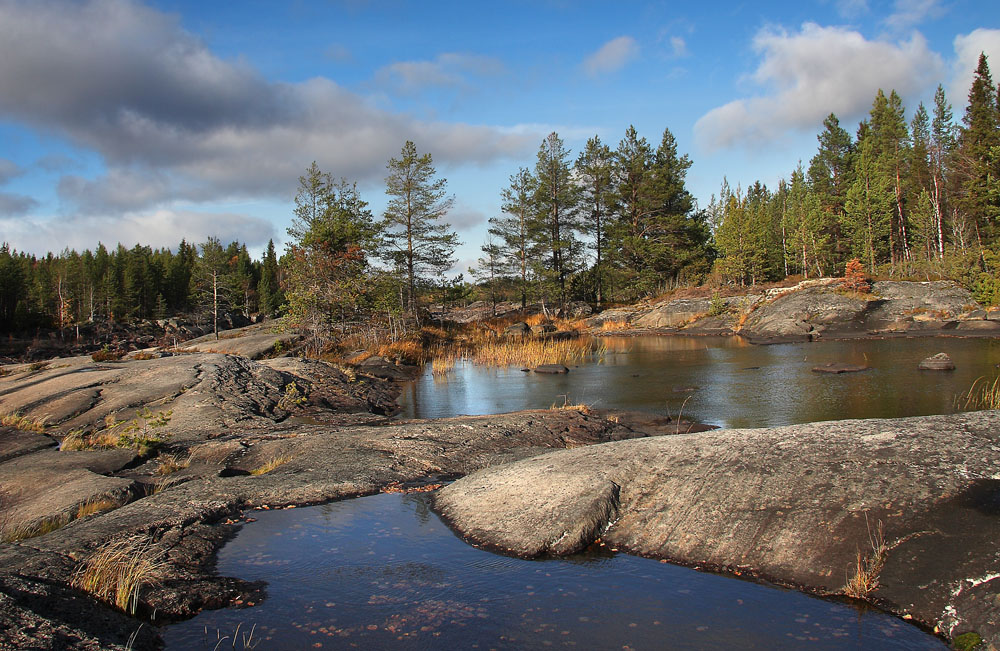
x: 612, y: 56
x: 172, y: 121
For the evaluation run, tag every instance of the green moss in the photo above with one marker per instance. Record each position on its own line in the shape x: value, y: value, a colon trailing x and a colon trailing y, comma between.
x: 967, y: 641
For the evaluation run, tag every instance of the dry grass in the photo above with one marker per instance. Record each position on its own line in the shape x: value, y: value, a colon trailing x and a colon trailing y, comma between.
x: 170, y: 464
x: 140, y: 434
x: 534, y: 352
x: 566, y: 406
x: 614, y: 326
x: 443, y: 365
x: 95, y: 505
x: 116, y: 573
x: 981, y: 396
x: 271, y: 464
x: 868, y: 565
x: 18, y: 532
x: 24, y: 423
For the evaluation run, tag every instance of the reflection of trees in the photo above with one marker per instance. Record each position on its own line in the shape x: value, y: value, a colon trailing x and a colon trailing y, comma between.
x: 420, y: 503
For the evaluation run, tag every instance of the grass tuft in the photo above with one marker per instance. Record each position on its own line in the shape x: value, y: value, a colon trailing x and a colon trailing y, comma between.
x: 271, y: 464
x: 981, y: 396
x: 868, y: 565
x: 116, y: 573
x: 23, y: 423
x: 172, y: 463
x: 95, y: 505
x: 34, y: 530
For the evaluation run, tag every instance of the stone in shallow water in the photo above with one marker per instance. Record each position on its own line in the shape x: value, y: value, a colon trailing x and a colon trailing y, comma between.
x: 839, y: 367
x: 551, y: 368
x: 939, y: 362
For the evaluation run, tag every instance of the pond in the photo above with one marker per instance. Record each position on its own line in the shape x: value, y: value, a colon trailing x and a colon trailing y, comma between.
x: 384, y: 572
x: 723, y: 381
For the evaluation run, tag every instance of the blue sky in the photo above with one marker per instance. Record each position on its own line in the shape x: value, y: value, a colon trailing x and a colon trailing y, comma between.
x: 133, y: 121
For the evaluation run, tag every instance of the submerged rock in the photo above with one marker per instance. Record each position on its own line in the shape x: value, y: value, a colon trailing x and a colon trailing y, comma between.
x: 839, y: 367
x: 552, y: 369
x: 939, y: 362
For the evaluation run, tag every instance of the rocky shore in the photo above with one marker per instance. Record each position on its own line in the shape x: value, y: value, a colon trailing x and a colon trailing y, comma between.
x: 239, y: 435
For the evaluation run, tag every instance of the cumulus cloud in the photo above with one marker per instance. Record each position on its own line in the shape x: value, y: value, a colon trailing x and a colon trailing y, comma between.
x: 611, y: 56
x: 967, y: 50
x: 851, y: 8
x: 448, y: 70
x: 173, y: 121
x: 807, y: 75
x: 909, y: 13
x: 159, y: 228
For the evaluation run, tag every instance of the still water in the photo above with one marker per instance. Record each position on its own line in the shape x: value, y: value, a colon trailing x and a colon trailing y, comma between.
x: 384, y: 572
x: 724, y: 380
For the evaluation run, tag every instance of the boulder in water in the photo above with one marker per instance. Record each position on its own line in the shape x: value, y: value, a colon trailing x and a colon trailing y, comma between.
x: 939, y: 362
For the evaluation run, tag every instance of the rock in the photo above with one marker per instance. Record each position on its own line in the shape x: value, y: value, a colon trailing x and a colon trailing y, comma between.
x: 839, y: 367
x: 380, y: 367
x: 519, y: 329
x: 939, y: 362
x: 796, y: 315
x: 576, y: 310
x: 790, y: 504
x: 542, y: 328
x: 252, y: 342
x: 553, y: 369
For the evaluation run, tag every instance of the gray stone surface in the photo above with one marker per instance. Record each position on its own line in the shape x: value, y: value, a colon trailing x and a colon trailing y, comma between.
x: 790, y: 504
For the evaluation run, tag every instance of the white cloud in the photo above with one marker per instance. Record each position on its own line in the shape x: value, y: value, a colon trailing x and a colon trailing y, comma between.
x: 174, y: 122
x: 967, y: 50
x: 611, y: 56
x: 809, y: 74
x: 678, y: 47
x: 851, y: 8
x: 448, y: 70
x: 909, y: 13
x: 160, y: 228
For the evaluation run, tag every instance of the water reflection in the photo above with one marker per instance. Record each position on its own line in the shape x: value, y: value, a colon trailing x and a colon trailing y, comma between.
x: 384, y: 572
x: 735, y: 384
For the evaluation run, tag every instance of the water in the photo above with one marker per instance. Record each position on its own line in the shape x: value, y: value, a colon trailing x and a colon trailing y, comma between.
x: 385, y: 572
x: 724, y: 381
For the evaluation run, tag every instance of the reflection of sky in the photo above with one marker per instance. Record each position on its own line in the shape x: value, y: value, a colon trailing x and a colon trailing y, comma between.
x: 385, y: 572
x: 724, y: 381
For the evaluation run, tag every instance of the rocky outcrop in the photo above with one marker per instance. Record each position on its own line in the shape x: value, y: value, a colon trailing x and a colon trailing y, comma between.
x: 813, y: 309
x: 791, y: 504
x: 253, y: 342
x: 241, y: 434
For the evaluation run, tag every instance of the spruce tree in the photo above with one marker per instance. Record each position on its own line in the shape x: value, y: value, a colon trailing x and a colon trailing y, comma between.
x: 557, y: 203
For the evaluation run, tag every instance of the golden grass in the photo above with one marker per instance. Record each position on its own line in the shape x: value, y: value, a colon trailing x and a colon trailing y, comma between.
x: 981, y: 396
x: 566, y: 406
x: 24, y: 423
x: 117, y: 572
x: 534, y: 352
x: 95, y: 505
x: 443, y: 365
x: 271, y: 464
x: 868, y: 565
x: 24, y: 531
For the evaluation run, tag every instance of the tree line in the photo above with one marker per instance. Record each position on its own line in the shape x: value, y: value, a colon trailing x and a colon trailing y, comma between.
x: 917, y: 199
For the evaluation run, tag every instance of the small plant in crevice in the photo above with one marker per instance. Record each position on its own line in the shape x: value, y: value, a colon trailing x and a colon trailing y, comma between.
x: 567, y: 406
x: 116, y: 573
x: 172, y: 463
x: 95, y: 505
x: 868, y: 564
x: 293, y: 397
x: 142, y: 433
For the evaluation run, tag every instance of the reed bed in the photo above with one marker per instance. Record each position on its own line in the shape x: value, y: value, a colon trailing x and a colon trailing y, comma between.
x: 24, y: 423
x: 534, y: 352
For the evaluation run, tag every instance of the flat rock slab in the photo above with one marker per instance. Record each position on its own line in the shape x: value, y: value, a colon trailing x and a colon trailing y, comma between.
x: 838, y: 367
x: 551, y: 369
x: 790, y: 504
x: 251, y: 346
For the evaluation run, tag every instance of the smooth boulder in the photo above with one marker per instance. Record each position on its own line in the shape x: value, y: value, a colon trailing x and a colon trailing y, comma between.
x: 939, y: 362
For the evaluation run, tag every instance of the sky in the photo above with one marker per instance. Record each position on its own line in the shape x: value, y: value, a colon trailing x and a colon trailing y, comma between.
x: 150, y: 121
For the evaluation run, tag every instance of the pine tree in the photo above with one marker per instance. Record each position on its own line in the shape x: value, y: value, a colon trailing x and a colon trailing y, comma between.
x: 414, y: 237
x: 941, y: 151
x: 516, y: 240
x: 869, y: 207
x: 979, y: 165
x: 829, y: 177
x: 594, y: 167
x: 557, y: 202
